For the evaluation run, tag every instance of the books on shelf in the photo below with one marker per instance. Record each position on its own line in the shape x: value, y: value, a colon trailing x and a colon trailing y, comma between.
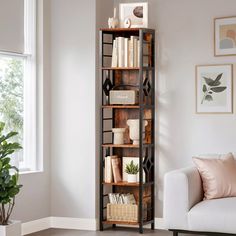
x: 112, y: 169
x: 125, y: 52
x: 121, y: 198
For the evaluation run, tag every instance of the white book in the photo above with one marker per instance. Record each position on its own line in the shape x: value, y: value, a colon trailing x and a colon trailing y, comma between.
x: 121, y: 51
x: 135, y: 52
x: 138, y: 51
x: 114, y: 60
x: 126, y: 52
x: 108, y: 170
x: 131, y: 52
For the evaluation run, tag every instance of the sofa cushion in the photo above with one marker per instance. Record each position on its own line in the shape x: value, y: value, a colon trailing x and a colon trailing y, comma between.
x: 218, y: 176
x: 217, y: 215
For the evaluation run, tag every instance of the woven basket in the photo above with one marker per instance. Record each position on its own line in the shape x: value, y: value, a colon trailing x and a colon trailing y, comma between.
x: 122, y: 212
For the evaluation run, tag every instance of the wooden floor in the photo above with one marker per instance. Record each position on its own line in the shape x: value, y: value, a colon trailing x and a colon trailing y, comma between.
x: 116, y: 232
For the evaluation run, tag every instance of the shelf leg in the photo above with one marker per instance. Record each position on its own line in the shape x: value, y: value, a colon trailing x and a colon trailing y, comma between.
x: 153, y: 226
x: 114, y: 226
x: 175, y: 233
x: 140, y: 229
x: 101, y: 226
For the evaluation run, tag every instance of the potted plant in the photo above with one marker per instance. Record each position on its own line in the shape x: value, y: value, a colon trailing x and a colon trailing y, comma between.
x: 132, y: 170
x: 9, y: 186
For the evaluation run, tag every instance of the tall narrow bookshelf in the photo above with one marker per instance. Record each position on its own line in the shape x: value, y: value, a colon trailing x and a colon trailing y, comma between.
x: 142, y: 78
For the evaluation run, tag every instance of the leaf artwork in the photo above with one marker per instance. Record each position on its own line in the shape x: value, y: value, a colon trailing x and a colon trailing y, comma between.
x: 211, y: 87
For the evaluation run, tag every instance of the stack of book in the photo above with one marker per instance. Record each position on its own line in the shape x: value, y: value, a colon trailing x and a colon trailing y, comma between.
x: 121, y: 198
x: 112, y: 169
x: 125, y: 52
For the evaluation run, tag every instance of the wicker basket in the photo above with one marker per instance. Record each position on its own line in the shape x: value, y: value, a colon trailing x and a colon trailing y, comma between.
x: 122, y: 212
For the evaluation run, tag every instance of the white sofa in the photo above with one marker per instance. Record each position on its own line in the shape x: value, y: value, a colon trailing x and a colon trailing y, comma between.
x: 186, y: 212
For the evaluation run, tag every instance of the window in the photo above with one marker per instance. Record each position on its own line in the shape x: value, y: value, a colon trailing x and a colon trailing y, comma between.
x: 18, y: 92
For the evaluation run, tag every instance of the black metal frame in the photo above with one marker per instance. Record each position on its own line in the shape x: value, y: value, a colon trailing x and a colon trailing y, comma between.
x: 142, y: 107
x: 176, y: 232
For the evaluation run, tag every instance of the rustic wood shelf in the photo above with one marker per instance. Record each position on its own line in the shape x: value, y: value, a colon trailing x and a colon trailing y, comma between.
x: 122, y: 106
x: 124, y: 145
x: 125, y: 183
x: 120, y: 222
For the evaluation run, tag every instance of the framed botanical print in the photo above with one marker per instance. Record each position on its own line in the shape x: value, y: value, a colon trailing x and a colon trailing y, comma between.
x: 214, y: 89
x: 225, y: 36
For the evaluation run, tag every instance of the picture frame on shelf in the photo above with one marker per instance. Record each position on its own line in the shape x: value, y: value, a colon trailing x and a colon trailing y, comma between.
x: 134, y: 13
x: 214, y: 88
x: 225, y: 36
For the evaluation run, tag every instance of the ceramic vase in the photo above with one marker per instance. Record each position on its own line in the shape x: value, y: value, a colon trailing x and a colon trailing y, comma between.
x: 113, y: 22
x: 131, y: 178
x: 118, y: 135
x: 134, y: 129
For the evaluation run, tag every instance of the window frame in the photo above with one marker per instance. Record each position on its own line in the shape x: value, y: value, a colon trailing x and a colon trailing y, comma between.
x: 31, y: 162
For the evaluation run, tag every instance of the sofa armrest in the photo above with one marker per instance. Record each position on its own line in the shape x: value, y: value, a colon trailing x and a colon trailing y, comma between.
x: 182, y: 190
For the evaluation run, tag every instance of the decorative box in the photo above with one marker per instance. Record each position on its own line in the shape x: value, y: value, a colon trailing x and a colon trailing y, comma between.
x: 123, y: 97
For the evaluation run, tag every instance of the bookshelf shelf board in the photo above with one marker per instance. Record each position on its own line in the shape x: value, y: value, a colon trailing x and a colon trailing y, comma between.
x: 121, y: 106
x: 125, y: 145
x: 120, y: 222
x: 120, y: 145
x: 128, y: 68
x: 121, y: 29
x: 125, y: 183
x: 120, y: 68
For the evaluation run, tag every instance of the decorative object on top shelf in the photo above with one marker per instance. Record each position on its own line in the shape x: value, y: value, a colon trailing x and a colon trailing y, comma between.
x: 134, y: 129
x: 214, y: 88
x: 137, y: 13
x: 118, y: 135
x: 9, y: 186
x: 127, y: 23
x: 225, y: 36
x: 132, y: 170
x: 113, y: 22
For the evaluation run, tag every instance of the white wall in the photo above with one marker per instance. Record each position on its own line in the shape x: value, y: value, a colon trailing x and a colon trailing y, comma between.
x: 73, y: 52
x: 185, y: 39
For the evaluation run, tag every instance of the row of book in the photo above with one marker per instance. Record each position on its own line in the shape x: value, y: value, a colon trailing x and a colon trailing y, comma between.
x: 114, y: 170
x: 121, y: 198
x: 125, y: 52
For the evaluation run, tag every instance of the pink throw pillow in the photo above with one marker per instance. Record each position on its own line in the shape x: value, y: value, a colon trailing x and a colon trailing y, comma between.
x: 218, y: 176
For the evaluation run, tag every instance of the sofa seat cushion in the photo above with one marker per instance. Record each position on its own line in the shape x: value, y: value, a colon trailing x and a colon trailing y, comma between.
x: 217, y: 215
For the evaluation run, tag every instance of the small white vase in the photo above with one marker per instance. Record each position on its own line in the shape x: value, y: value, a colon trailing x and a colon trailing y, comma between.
x: 132, y: 178
x: 113, y: 22
x: 118, y: 135
x: 134, y: 129
x: 13, y: 229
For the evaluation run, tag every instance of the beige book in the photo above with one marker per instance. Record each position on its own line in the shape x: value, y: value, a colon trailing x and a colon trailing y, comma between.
x: 116, y: 167
x: 121, y: 51
x: 108, y: 169
x: 126, y: 52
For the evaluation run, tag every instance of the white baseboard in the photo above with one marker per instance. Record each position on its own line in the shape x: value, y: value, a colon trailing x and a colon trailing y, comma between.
x: 73, y: 223
x: 35, y: 226
x: 69, y: 223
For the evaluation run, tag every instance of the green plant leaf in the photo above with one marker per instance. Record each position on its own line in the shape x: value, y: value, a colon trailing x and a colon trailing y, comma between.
x: 204, y: 88
x: 218, y: 89
x: 208, y: 81
x: 218, y: 77
x: 208, y: 98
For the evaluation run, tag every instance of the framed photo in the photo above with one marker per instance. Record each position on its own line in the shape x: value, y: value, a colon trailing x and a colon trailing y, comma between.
x: 137, y: 13
x: 225, y: 36
x: 214, y: 88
